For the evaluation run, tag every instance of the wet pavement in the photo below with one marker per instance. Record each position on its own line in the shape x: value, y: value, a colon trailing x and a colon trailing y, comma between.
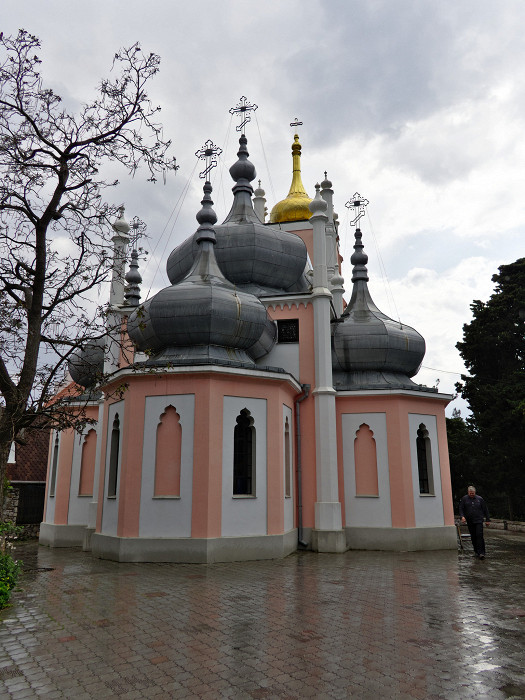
x: 360, y: 625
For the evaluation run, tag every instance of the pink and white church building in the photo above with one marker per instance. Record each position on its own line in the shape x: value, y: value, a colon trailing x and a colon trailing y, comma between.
x: 262, y: 412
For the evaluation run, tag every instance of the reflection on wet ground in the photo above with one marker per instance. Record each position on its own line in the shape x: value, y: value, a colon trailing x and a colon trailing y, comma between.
x: 360, y: 625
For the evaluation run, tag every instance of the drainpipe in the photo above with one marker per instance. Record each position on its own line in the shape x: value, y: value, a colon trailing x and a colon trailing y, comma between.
x: 298, y: 400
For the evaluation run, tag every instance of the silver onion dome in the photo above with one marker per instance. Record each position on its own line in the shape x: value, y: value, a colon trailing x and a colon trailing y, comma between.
x: 86, y: 363
x: 203, y: 317
x: 370, y: 349
x: 256, y: 258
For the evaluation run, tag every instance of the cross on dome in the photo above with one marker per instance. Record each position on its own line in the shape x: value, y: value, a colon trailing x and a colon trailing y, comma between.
x: 358, y: 204
x: 242, y: 110
x: 296, y: 122
x: 138, y: 228
x: 209, y: 153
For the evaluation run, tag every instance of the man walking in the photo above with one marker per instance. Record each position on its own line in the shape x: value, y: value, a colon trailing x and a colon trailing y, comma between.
x: 473, y: 510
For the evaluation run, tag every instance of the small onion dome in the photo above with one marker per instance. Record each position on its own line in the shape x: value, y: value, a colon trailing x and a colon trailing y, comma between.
x: 86, y: 364
x: 259, y: 192
x: 204, y: 309
x: 121, y: 226
x: 295, y: 206
x: 368, y: 341
x: 254, y: 257
x: 326, y: 184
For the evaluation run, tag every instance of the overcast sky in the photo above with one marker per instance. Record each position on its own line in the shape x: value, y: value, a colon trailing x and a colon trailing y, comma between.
x: 417, y: 105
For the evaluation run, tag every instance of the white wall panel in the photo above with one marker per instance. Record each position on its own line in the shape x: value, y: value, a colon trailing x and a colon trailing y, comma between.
x: 78, y: 505
x: 366, y: 511
x: 110, y: 505
x: 50, y: 506
x: 285, y: 355
x: 428, y: 508
x: 289, y: 503
x: 167, y: 516
x: 244, y: 515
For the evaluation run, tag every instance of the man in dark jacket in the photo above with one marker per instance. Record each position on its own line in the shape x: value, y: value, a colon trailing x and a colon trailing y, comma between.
x: 473, y: 510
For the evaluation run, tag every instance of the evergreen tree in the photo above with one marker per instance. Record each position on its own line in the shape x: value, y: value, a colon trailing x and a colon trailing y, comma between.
x: 493, y: 350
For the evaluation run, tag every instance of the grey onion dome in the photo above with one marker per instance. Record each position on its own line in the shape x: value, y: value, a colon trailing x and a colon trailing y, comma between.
x: 326, y: 184
x: 86, y: 364
x: 203, y: 317
x: 318, y: 205
x: 259, y: 259
x: 372, y: 350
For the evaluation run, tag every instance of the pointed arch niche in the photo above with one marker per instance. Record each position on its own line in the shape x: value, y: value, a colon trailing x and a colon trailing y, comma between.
x: 87, y: 464
x: 244, y: 455
x: 365, y: 455
x: 168, y: 454
x: 424, y: 461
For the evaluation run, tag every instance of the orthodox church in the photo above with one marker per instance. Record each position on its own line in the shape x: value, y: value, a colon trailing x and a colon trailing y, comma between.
x: 256, y: 411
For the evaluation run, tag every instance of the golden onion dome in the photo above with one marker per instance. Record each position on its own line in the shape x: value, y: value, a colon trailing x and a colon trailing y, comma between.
x: 295, y: 206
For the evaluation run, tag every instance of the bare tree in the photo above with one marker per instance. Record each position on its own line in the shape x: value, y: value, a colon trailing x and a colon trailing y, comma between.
x: 54, y: 223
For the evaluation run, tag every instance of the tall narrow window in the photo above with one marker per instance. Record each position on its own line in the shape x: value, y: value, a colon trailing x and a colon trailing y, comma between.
x: 113, y: 458
x: 54, y: 466
x: 424, y: 461
x: 365, y: 455
x: 87, y: 464
x: 287, y: 461
x: 168, y: 454
x: 244, y: 455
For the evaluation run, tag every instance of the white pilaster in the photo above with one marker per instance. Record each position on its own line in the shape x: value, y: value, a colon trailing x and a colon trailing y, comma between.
x: 116, y: 295
x: 259, y: 203
x: 332, y: 259
x: 328, y: 534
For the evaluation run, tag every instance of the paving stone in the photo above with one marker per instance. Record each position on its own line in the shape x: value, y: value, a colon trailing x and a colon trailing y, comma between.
x: 409, y: 626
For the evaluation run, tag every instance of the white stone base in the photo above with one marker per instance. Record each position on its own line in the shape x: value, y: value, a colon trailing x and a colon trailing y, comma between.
x: 86, y: 544
x: 329, y: 541
x: 191, y: 550
x: 61, y: 535
x: 402, y: 539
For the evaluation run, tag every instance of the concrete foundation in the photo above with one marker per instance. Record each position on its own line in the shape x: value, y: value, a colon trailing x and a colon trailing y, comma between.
x: 61, y: 535
x: 192, y: 550
x: 402, y: 539
x: 328, y: 541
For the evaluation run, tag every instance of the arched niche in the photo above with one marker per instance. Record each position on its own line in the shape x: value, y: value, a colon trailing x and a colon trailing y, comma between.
x: 365, y: 456
x: 244, y: 437
x: 168, y: 454
x: 87, y: 463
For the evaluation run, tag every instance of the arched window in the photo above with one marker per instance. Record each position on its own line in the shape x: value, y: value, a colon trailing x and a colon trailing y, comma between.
x: 113, y: 458
x: 244, y: 455
x: 287, y: 461
x: 87, y: 464
x: 365, y: 455
x: 54, y: 466
x: 168, y: 454
x: 424, y: 461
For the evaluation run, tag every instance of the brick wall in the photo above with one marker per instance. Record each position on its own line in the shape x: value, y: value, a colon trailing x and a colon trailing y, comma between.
x: 31, y: 458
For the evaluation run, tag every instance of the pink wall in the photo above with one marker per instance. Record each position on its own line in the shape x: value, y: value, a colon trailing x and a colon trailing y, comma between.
x: 63, y: 480
x: 397, y: 409
x: 307, y: 376
x: 209, y: 390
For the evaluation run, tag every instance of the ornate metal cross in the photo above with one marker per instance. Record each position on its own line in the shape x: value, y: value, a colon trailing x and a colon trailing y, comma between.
x: 242, y: 110
x: 358, y: 204
x: 208, y: 153
x: 296, y: 122
x: 138, y: 231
